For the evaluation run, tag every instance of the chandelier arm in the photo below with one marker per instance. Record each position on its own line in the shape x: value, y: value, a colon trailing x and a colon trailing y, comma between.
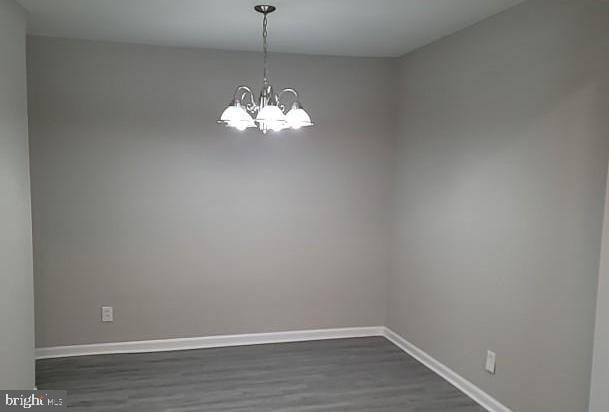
x: 242, y: 87
x: 282, y: 93
x: 251, y: 106
x: 246, y: 91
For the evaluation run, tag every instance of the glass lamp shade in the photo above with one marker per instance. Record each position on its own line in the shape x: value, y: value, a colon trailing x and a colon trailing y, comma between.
x: 271, y: 118
x: 270, y: 113
x: 275, y: 126
x: 230, y: 113
x: 297, y: 118
x: 236, y: 116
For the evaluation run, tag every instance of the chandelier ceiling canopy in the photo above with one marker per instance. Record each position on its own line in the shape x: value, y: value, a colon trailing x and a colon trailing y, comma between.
x: 267, y: 112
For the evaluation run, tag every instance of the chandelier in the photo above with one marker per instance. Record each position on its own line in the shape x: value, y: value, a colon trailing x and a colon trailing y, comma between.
x: 268, y: 113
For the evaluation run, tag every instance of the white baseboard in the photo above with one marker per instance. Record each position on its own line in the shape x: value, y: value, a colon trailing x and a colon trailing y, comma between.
x: 478, y: 395
x: 164, y: 345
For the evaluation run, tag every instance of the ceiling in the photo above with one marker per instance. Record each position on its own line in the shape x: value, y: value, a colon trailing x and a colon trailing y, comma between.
x: 379, y: 28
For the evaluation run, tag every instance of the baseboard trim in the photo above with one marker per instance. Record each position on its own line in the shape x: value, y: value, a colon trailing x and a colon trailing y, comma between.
x: 164, y: 345
x: 478, y: 395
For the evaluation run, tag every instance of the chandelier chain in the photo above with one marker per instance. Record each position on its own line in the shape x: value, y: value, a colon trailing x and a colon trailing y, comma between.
x: 265, y: 46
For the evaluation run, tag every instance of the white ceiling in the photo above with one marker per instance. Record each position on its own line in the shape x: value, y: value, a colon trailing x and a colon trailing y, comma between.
x: 333, y: 27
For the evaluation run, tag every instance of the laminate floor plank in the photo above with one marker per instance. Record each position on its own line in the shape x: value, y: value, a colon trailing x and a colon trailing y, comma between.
x: 355, y: 375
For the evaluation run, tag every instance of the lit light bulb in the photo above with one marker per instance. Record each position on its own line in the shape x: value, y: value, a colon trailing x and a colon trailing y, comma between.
x: 239, y: 125
x: 277, y: 126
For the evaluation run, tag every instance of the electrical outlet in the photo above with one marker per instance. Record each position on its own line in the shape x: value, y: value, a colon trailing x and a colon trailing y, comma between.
x: 107, y: 314
x: 491, y: 360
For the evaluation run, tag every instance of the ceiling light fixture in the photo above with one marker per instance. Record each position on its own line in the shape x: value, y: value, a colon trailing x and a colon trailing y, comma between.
x: 268, y: 113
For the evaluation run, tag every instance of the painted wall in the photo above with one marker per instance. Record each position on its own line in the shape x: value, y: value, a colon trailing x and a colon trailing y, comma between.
x: 141, y: 201
x: 16, y: 290
x: 503, y: 146
x: 599, y: 396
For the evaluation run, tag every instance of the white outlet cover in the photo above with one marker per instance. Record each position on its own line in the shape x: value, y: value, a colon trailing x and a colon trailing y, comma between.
x: 107, y: 314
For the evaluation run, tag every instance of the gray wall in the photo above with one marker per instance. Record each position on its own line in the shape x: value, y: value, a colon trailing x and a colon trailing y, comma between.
x: 599, y: 396
x: 16, y: 290
x: 141, y: 201
x: 503, y: 145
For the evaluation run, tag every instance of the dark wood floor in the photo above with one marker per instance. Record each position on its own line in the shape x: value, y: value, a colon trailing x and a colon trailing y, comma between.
x: 368, y: 374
